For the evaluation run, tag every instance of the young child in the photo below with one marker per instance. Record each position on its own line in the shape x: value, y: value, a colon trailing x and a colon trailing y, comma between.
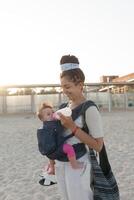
x: 45, y: 114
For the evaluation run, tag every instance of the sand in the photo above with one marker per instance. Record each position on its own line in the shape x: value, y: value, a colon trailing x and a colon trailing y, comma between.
x: 21, y: 163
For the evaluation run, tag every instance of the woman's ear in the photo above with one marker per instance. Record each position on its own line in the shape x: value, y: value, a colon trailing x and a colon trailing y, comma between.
x: 81, y: 84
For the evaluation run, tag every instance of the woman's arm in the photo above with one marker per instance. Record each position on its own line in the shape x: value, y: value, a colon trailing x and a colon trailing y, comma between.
x: 95, y: 143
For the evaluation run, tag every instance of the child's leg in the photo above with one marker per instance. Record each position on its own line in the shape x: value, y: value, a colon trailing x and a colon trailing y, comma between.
x: 69, y: 150
x: 50, y: 168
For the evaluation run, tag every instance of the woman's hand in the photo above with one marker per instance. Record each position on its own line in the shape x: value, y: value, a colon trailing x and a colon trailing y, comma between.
x: 67, y: 122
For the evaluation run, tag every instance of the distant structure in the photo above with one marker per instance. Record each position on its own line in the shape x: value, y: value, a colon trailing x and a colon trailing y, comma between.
x: 126, y: 78
x: 107, y: 79
x: 126, y: 88
x: 116, y: 79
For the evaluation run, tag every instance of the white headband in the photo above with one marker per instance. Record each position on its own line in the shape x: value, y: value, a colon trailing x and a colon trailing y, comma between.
x: 69, y: 66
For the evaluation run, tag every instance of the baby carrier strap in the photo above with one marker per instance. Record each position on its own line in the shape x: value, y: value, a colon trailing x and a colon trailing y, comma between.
x: 103, y: 159
x: 81, y: 109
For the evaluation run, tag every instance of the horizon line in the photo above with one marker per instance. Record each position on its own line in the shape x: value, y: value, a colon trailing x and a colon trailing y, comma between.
x: 59, y: 85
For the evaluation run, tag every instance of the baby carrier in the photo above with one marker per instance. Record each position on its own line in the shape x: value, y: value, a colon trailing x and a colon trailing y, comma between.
x: 50, y: 137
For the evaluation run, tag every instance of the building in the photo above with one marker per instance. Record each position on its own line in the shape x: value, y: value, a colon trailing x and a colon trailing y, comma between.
x: 107, y: 79
x: 126, y: 88
x: 126, y: 78
x: 116, y: 79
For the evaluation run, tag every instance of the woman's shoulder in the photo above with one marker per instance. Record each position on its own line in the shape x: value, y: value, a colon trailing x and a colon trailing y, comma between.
x: 94, y: 122
x: 87, y: 106
x: 90, y: 103
x: 92, y: 110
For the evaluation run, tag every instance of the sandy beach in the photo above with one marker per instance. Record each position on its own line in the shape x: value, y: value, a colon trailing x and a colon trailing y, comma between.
x: 21, y: 163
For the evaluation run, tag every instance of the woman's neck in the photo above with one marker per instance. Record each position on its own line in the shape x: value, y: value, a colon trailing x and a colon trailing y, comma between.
x: 75, y: 102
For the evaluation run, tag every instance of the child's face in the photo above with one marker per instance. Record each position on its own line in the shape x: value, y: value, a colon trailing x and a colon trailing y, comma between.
x: 47, y: 114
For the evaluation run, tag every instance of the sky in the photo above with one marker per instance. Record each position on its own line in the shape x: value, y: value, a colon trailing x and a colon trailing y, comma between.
x: 34, y: 34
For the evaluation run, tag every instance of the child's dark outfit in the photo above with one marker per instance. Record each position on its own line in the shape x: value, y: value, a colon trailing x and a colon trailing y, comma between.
x: 51, y: 141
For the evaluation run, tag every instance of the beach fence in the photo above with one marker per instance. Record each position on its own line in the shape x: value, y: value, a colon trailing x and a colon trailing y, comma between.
x: 27, y: 98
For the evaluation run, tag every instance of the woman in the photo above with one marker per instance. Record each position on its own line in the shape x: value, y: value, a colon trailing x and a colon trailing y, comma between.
x: 71, y: 182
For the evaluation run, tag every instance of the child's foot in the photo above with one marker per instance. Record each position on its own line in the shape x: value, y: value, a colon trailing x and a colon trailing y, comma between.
x: 46, y: 182
x: 77, y: 165
x: 47, y: 179
x: 51, y: 170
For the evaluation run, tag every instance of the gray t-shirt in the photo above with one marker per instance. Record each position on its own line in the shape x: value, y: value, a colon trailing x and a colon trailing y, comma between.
x: 94, y: 122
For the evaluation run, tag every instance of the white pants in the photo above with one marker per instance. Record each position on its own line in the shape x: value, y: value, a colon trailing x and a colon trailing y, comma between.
x: 74, y: 184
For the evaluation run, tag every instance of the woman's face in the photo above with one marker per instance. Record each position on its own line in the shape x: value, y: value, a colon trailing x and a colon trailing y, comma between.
x: 70, y: 89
